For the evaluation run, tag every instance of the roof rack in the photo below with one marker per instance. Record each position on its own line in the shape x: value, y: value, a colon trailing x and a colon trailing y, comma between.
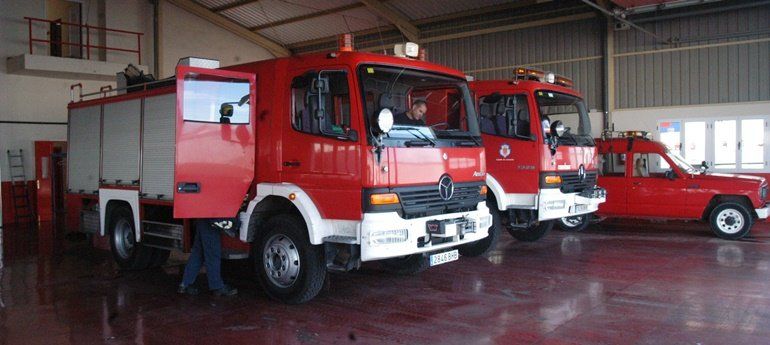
x: 627, y: 134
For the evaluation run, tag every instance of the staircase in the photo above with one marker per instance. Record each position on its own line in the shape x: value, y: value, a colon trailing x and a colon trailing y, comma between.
x: 22, y: 209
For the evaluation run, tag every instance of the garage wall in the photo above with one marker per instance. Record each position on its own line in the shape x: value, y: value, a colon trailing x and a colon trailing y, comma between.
x: 722, y: 58
x: 571, y: 49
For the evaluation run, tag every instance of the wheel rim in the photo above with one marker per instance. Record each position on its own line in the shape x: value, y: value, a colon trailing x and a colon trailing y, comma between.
x: 281, y: 260
x: 124, y: 238
x: 730, y: 221
x: 572, y: 222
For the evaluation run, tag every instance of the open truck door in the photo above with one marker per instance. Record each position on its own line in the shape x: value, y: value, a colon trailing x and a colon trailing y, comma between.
x: 215, y: 141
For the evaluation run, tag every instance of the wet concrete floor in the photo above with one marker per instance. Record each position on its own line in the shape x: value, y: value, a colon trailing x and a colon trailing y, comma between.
x: 619, y: 282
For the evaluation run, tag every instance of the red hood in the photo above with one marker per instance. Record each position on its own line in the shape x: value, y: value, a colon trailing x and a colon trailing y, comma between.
x: 734, y: 177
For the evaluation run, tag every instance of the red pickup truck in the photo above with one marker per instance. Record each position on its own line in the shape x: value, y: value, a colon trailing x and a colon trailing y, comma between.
x: 644, y: 179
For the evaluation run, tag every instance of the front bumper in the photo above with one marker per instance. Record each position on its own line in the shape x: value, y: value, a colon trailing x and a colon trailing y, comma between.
x: 374, y: 225
x: 553, y: 204
x: 762, y: 213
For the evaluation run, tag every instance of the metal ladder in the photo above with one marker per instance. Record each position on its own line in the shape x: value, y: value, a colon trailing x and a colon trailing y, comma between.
x: 22, y: 209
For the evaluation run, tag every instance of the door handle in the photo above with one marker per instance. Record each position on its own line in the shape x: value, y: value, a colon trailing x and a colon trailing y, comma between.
x: 291, y: 163
x: 693, y: 186
x: 637, y: 183
x: 188, y: 187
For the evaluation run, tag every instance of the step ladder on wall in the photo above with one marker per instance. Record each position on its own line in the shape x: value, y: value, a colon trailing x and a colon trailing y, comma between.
x: 23, y: 213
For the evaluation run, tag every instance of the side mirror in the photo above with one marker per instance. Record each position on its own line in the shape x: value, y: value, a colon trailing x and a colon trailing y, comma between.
x: 557, y: 128
x: 384, y: 121
x: 226, y: 110
x: 670, y: 175
x: 704, y: 166
x: 352, y: 135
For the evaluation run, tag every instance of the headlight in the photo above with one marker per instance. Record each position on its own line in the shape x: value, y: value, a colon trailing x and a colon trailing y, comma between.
x: 389, y: 236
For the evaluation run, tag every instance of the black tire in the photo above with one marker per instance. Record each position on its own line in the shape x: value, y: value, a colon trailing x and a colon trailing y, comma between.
x: 407, y: 265
x: 731, y: 220
x: 303, y: 269
x: 575, y: 223
x: 483, y: 246
x: 127, y: 254
x: 532, y: 234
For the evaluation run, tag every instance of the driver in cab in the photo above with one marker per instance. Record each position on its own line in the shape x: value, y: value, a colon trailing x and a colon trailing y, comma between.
x: 414, y: 116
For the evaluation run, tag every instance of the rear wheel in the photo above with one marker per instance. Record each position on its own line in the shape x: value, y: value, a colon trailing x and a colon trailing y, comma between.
x: 407, y: 265
x: 128, y: 254
x: 288, y: 266
x: 533, y: 233
x: 484, y: 245
x: 730, y: 220
x: 575, y: 223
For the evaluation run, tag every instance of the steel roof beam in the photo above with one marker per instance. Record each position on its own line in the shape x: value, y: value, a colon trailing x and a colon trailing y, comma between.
x: 273, y: 47
x: 404, y: 24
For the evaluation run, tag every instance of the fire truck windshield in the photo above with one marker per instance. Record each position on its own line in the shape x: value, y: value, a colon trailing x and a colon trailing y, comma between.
x: 568, y: 109
x: 429, y: 108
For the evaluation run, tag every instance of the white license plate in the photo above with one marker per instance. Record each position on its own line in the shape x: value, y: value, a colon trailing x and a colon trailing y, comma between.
x: 580, y: 208
x: 442, y: 258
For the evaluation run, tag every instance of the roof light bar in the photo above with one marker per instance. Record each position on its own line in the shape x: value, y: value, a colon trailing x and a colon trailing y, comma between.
x: 525, y: 73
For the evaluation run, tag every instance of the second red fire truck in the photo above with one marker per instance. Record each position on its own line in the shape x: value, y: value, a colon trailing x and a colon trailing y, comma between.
x: 303, y: 150
x: 541, y: 157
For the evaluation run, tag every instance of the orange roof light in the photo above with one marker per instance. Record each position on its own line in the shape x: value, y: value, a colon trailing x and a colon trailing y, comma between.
x: 345, y: 42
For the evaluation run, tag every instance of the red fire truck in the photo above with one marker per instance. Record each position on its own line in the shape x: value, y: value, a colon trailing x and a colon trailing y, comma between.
x: 645, y: 179
x: 303, y: 150
x: 540, y: 153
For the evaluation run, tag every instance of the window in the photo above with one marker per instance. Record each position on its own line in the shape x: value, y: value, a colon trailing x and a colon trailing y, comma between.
x: 613, y: 164
x: 725, y: 144
x: 321, y: 103
x: 505, y: 115
x: 568, y: 109
x: 215, y: 99
x: 648, y: 165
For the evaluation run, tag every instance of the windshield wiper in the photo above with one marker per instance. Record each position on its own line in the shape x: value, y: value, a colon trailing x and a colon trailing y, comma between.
x: 473, y: 138
x: 417, y: 134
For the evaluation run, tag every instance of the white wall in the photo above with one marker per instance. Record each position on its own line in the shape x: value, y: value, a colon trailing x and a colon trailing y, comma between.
x: 40, y: 99
x: 184, y: 34
x: 646, y: 119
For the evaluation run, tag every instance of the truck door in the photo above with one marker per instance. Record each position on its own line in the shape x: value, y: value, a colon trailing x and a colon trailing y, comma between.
x: 512, y: 154
x: 215, y: 141
x: 650, y: 192
x: 320, y: 151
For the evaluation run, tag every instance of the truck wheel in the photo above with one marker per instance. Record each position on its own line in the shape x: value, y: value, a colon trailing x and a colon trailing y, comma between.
x: 128, y: 254
x: 730, y: 220
x: 575, y: 223
x: 407, y: 265
x: 289, y: 268
x: 484, y: 245
x: 532, y: 234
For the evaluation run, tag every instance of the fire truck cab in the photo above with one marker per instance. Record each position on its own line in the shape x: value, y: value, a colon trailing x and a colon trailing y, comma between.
x: 304, y: 152
x: 541, y: 157
x: 645, y: 179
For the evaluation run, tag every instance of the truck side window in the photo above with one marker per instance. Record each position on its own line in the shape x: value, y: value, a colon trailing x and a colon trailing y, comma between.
x: 217, y: 100
x: 648, y: 165
x: 320, y: 103
x: 506, y: 116
x: 613, y: 164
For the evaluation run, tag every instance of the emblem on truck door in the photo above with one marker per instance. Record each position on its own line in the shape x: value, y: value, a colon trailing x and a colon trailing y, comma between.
x: 446, y: 188
x: 505, y: 150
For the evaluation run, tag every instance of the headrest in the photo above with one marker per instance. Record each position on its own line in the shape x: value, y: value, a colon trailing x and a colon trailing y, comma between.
x: 485, y: 110
x: 499, y: 108
x: 386, y: 101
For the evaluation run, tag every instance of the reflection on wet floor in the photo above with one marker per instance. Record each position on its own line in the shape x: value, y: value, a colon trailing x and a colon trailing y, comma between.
x: 615, y: 283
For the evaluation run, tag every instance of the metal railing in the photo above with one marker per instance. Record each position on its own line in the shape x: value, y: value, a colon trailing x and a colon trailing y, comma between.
x: 87, y: 45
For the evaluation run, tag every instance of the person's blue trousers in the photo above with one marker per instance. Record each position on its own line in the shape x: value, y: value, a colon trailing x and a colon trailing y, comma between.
x: 206, y: 250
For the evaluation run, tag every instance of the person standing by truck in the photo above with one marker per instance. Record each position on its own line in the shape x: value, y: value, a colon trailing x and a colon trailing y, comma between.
x: 207, y: 250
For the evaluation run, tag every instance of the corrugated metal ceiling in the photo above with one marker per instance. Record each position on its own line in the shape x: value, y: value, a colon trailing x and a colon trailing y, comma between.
x: 251, y: 14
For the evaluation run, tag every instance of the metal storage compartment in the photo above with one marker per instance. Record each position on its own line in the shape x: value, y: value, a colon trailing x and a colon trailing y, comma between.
x: 158, y: 147
x: 120, y: 150
x: 84, y: 148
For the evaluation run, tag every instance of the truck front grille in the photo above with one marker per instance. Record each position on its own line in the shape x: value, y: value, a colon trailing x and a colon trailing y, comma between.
x: 425, y: 200
x: 571, y: 182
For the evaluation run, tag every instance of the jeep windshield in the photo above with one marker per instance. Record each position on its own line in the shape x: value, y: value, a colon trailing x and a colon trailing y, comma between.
x: 681, y: 162
x: 568, y: 109
x: 429, y: 109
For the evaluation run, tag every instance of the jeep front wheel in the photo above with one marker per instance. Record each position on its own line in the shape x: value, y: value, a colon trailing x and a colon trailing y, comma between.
x: 730, y: 220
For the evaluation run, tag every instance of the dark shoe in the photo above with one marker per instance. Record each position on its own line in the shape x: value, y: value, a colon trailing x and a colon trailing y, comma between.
x: 187, y: 290
x: 227, y: 290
